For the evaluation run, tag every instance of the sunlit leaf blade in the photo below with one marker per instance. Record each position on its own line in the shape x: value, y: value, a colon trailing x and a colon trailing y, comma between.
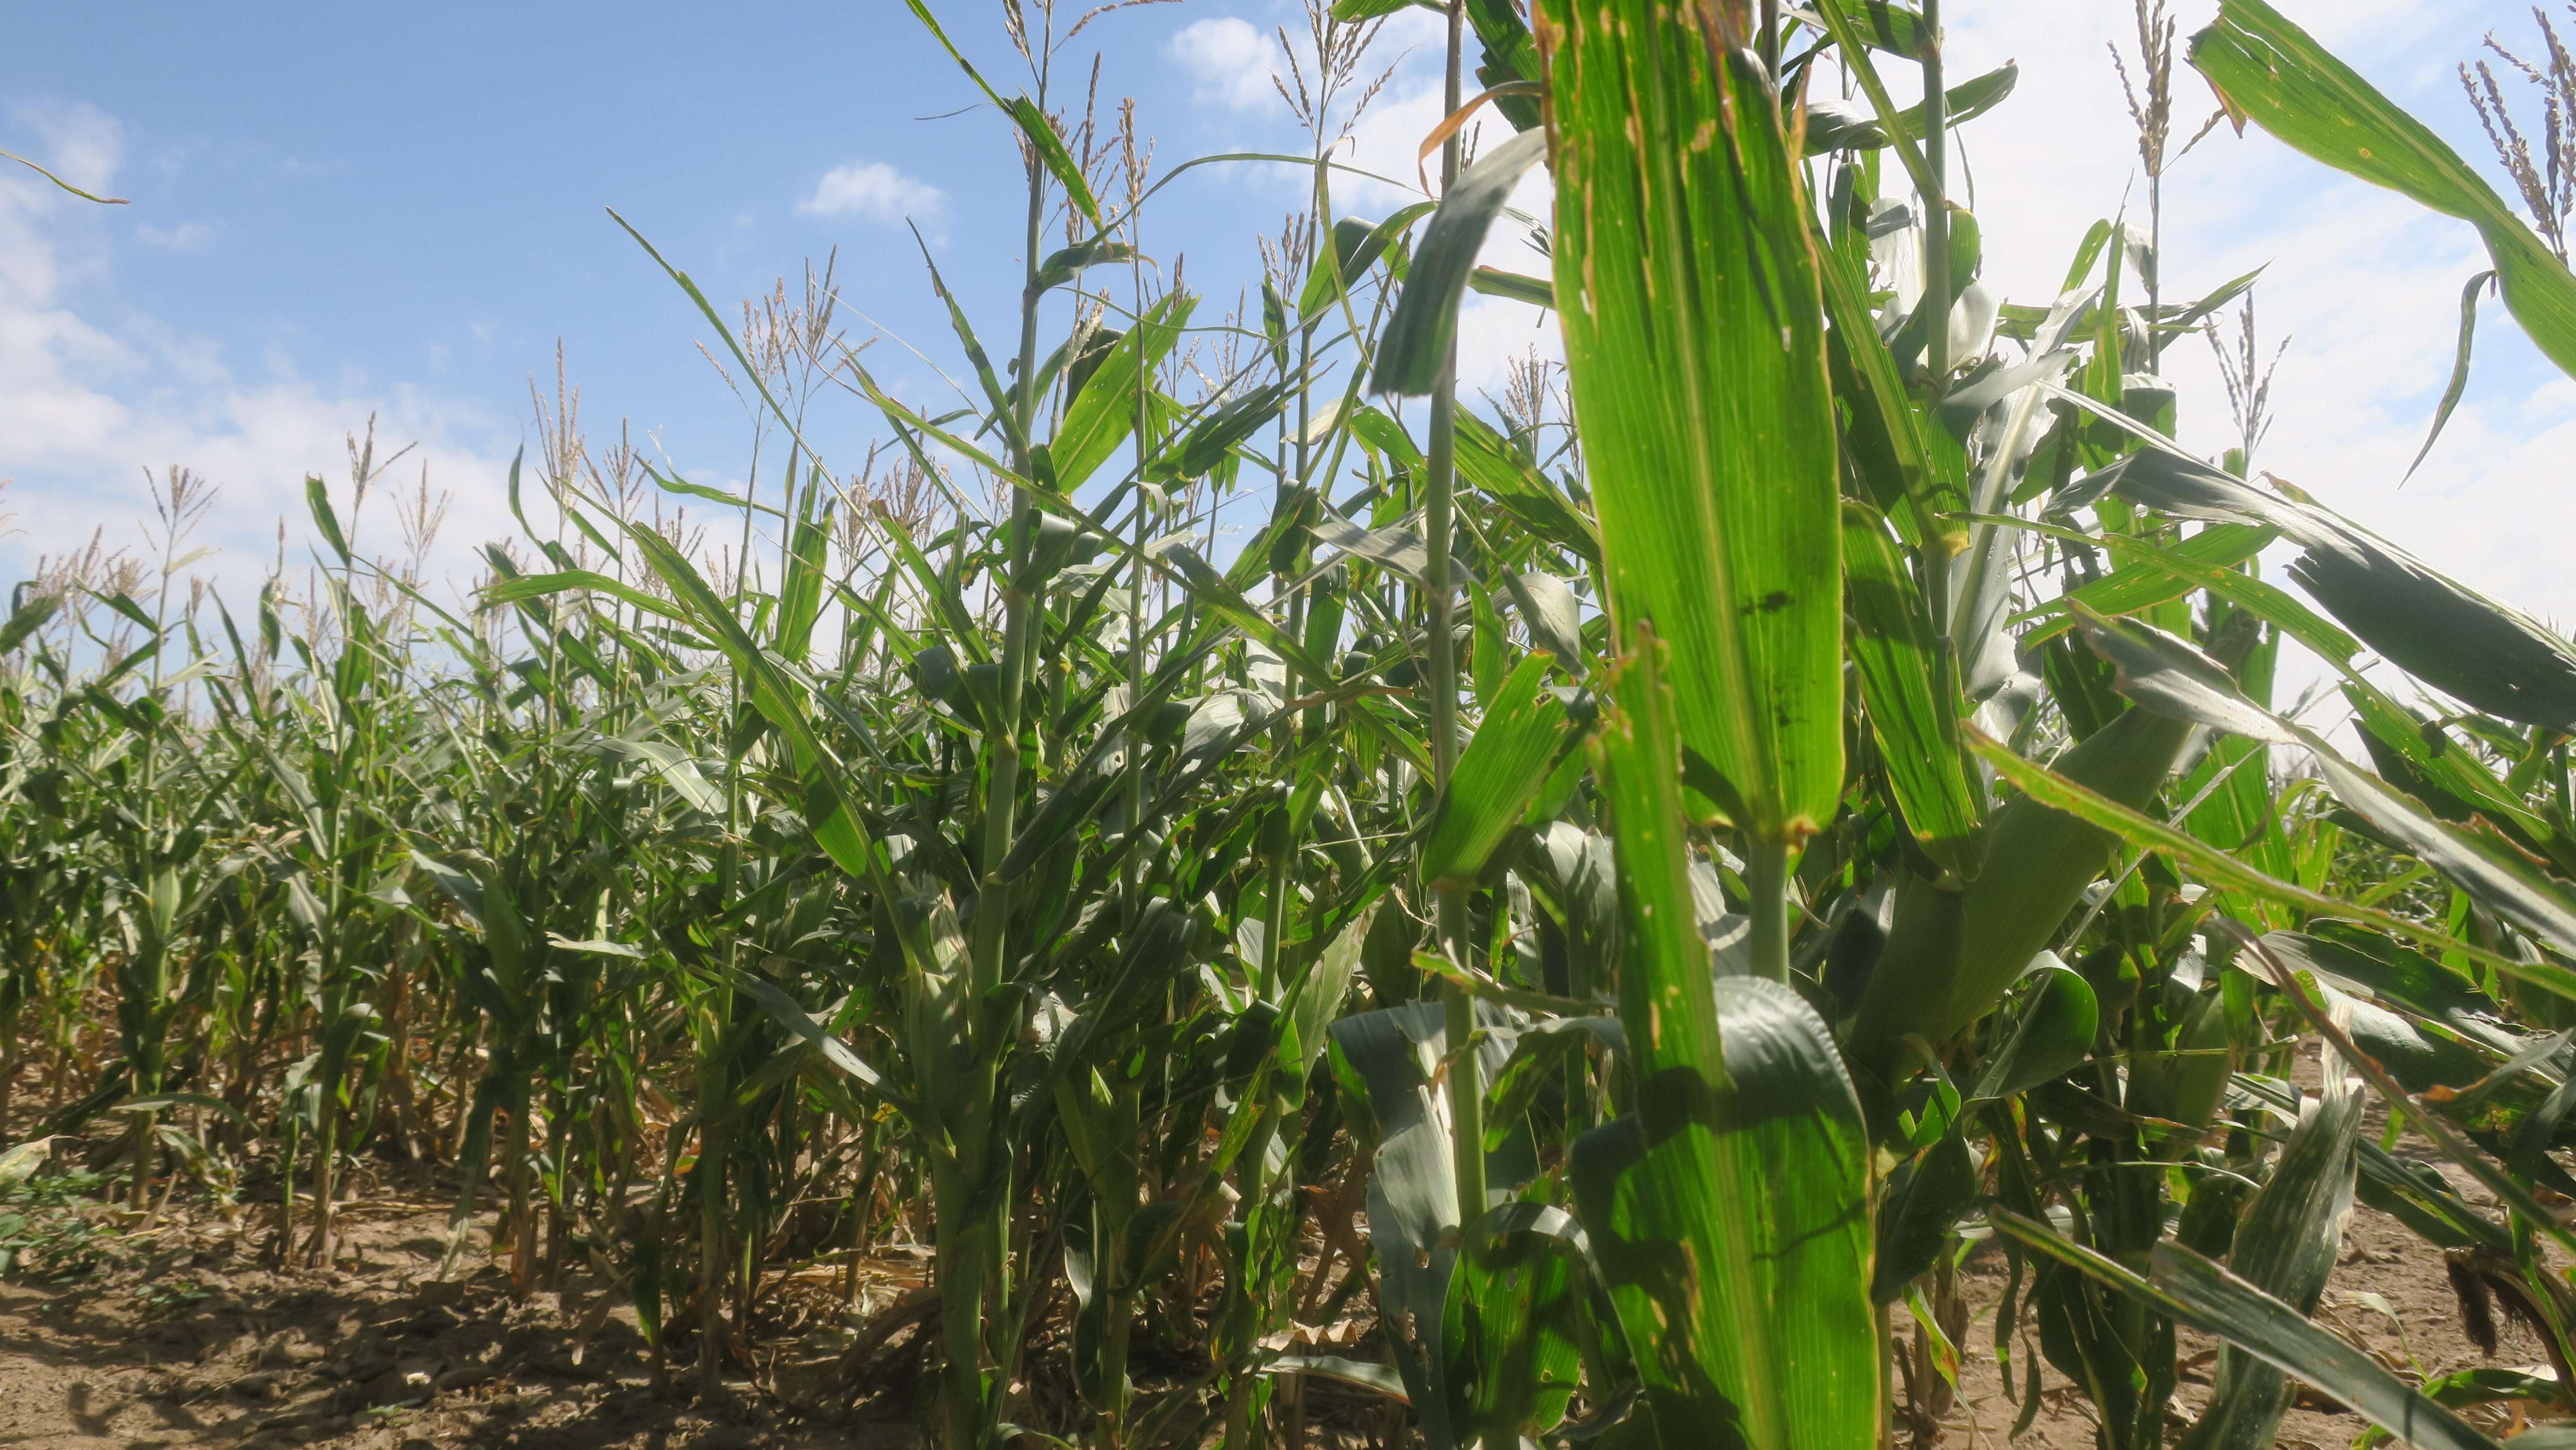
x: 1103, y: 414
x: 1894, y: 662
x: 1694, y: 335
x: 1497, y: 775
x: 2055, y: 791
x: 2274, y: 73
x: 1730, y: 1211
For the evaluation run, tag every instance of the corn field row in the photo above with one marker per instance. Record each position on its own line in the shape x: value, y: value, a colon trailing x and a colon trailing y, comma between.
x: 1574, y: 924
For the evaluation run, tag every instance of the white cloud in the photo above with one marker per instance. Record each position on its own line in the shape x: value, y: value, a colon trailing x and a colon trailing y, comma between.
x: 1229, y: 63
x: 876, y: 191
x: 185, y: 237
x: 95, y: 396
x: 81, y: 143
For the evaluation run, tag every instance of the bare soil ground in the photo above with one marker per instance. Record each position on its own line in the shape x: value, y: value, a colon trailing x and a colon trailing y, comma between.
x: 185, y: 1337
x: 193, y: 1342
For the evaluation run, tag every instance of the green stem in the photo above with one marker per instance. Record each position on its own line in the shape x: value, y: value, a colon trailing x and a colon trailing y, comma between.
x: 1766, y: 881
x: 1936, y: 206
x: 1466, y: 1085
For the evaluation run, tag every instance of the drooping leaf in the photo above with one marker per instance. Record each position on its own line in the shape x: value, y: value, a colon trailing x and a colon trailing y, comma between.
x: 2272, y: 72
x: 2052, y: 1036
x: 2200, y: 1293
x: 1925, y: 1199
x: 1419, y: 337
x: 2055, y: 791
x: 2286, y: 1245
x: 2439, y: 630
x: 1841, y: 126
x: 2459, y: 382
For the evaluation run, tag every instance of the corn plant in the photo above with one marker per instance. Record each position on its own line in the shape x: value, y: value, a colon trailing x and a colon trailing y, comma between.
x: 1577, y: 926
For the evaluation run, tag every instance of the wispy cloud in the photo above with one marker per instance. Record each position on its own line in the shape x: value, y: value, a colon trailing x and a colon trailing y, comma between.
x: 185, y: 237
x: 877, y: 192
x: 95, y: 395
x: 1228, y: 62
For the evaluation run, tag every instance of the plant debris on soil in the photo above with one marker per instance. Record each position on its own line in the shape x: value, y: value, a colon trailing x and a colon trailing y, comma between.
x: 185, y: 1336
x: 189, y: 1339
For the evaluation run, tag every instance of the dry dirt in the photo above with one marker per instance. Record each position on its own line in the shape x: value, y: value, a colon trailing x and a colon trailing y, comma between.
x: 193, y: 1341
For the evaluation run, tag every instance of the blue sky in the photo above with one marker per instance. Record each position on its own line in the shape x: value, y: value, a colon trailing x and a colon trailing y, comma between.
x: 400, y: 210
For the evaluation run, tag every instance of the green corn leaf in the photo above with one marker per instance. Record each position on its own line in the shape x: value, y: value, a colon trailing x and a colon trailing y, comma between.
x: 1487, y: 460
x: 2459, y: 382
x: 1423, y: 331
x: 1033, y: 123
x: 1925, y: 1199
x: 2038, y: 861
x: 800, y: 593
x: 2053, y: 1035
x: 1066, y: 263
x: 1894, y: 661
x: 1510, y: 54
x: 133, y: 613
x: 2266, y: 602
x: 672, y: 483
x: 1512, y: 1330
x: 2422, y: 758
x: 2131, y: 588
x: 1881, y: 25
x: 317, y: 499
x: 778, y: 699
x: 1519, y: 287
x: 2438, y: 630
x: 1695, y: 346
x: 1102, y: 414
x: 2272, y: 72
x: 1352, y: 11
x: 1730, y: 1211
x: 1386, y: 1061
x: 2056, y: 791
x: 1889, y: 446
x: 1200, y: 450
x: 1357, y: 246
x: 2171, y: 677
x: 540, y: 586
x: 1498, y: 774
x: 2286, y: 1246
x: 2200, y: 1293
x: 29, y: 617
x: 1839, y: 126
x: 786, y: 1012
